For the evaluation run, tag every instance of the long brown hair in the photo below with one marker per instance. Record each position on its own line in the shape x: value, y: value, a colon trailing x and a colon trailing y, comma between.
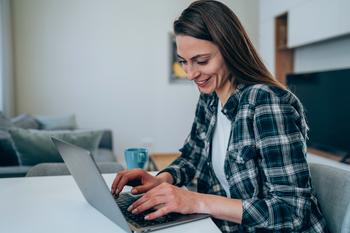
x: 213, y: 21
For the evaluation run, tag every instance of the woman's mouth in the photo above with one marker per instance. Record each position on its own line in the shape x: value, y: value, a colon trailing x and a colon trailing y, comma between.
x: 202, y: 83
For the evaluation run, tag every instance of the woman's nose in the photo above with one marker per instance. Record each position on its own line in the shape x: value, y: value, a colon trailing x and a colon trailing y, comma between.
x: 192, y: 73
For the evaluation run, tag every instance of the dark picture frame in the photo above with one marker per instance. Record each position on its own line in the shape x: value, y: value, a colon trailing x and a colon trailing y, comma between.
x: 177, y: 74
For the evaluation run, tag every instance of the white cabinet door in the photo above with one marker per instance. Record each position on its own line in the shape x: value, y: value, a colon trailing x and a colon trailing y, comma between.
x: 315, y: 20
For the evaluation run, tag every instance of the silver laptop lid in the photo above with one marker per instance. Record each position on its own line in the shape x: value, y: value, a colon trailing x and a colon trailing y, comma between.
x: 92, y: 185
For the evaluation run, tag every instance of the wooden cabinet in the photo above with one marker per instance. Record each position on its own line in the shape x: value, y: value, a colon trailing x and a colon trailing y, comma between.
x: 159, y: 161
x: 284, y: 57
x: 302, y: 24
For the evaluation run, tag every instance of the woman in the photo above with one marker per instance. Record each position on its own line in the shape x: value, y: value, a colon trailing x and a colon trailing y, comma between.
x: 246, y: 149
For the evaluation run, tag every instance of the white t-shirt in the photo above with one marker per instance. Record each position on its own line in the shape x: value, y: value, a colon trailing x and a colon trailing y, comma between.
x: 219, y: 147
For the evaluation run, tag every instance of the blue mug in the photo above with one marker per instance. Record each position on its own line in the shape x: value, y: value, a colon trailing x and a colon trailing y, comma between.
x: 136, y: 157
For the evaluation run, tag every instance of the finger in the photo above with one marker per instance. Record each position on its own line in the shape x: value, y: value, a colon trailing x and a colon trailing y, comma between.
x: 116, y: 181
x: 122, y: 183
x: 138, y: 202
x: 162, y: 189
x: 142, y: 188
x: 154, y: 202
x: 134, y: 183
x: 150, y: 203
x: 127, y: 177
x: 158, y: 213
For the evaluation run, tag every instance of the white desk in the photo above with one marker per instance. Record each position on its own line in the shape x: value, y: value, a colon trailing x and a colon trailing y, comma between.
x: 55, y: 204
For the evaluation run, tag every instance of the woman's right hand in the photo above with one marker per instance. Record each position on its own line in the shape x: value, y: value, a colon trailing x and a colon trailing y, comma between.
x: 143, y: 180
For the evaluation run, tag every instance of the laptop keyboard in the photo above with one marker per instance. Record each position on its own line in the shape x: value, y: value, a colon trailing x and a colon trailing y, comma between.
x: 125, y: 200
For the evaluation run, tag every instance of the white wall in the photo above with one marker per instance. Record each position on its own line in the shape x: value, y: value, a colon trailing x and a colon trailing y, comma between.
x: 328, y: 54
x: 107, y: 62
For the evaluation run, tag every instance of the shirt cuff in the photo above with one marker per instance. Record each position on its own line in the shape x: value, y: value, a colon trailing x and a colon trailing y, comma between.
x: 175, y: 173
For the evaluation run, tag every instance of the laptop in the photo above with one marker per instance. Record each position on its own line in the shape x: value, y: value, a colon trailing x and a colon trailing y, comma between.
x: 96, y: 192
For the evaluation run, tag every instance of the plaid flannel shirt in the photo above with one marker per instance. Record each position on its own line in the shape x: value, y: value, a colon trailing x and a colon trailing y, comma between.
x: 265, y: 163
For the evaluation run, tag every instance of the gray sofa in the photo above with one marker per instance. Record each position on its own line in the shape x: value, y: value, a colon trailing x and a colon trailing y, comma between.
x: 10, y: 164
x: 332, y: 189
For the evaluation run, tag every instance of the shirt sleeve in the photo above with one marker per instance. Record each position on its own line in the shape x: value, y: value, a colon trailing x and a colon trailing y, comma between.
x: 184, y: 168
x: 280, y: 136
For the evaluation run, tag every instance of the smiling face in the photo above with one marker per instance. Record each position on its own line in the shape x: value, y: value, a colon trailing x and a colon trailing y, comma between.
x: 204, y: 64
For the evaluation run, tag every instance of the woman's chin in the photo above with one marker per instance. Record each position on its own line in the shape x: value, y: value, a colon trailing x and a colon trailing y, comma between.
x: 205, y: 90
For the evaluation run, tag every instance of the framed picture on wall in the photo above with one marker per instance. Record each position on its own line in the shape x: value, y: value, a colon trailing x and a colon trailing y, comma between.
x: 177, y: 74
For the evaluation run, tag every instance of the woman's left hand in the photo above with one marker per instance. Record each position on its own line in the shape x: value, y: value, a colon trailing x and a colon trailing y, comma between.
x: 167, y: 198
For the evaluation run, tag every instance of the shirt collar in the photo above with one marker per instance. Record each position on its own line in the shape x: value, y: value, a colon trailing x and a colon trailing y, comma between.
x: 230, y: 106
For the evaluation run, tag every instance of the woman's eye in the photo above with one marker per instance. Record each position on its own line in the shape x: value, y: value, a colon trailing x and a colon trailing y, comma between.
x: 181, y: 62
x: 202, y: 62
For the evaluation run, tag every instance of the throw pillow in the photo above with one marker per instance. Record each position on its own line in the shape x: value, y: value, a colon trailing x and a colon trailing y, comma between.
x: 5, y: 123
x: 57, y: 123
x: 25, y: 121
x: 35, y: 146
x: 8, y: 155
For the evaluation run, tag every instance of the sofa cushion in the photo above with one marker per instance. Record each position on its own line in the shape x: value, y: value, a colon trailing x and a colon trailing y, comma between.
x: 8, y: 155
x: 35, y: 146
x: 5, y: 123
x: 25, y: 121
x: 57, y: 122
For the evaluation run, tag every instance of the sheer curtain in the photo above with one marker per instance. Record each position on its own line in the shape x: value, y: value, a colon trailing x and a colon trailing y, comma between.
x: 6, y: 60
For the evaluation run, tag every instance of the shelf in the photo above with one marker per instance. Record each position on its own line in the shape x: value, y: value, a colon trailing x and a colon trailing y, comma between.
x: 162, y: 160
x: 284, y: 56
